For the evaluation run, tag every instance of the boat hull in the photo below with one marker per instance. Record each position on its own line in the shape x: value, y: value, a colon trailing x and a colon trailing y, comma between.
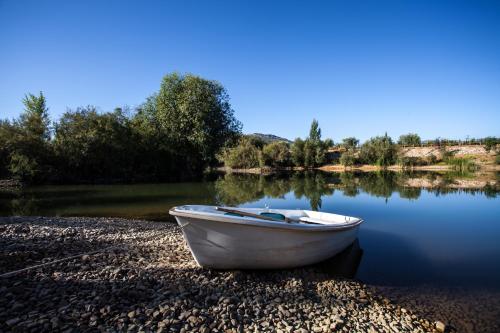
x: 222, y: 245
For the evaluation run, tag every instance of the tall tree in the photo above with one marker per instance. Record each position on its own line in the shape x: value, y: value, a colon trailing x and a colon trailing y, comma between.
x: 297, y: 152
x: 315, y: 132
x: 35, y: 118
x: 30, y: 151
x: 197, y: 117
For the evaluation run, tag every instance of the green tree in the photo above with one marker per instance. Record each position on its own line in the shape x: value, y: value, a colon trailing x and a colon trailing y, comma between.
x: 244, y: 156
x: 410, y: 139
x: 276, y: 154
x: 490, y: 143
x: 196, y: 116
x: 90, y: 145
x: 29, y: 146
x: 297, y: 152
x: 35, y: 118
x: 350, y: 143
x: 7, y: 133
x: 157, y: 158
x: 379, y: 150
x: 347, y: 158
x: 315, y: 132
x: 256, y: 141
x: 311, y: 152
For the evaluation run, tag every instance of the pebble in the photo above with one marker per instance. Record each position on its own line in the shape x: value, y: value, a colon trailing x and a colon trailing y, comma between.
x: 143, y: 278
x: 440, y: 326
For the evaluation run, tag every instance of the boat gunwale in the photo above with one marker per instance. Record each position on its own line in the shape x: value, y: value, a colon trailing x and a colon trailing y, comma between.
x: 255, y: 222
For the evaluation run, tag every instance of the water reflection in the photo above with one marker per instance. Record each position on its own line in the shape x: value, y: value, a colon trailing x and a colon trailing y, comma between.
x: 425, y: 227
x: 152, y: 201
x: 345, y: 264
x: 236, y: 189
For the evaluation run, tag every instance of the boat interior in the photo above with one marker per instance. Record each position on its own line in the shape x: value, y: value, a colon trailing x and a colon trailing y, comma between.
x: 276, y: 215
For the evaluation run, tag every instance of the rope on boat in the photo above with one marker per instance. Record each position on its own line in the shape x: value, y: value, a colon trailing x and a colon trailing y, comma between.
x: 13, y: 273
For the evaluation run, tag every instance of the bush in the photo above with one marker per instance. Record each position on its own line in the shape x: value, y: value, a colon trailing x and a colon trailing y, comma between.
x: 445, y: 154
x: 276, y: 154
x: 462, y: 164
x: 85, y: 140
x: 490, y: 143
x: 379, y: 150
x: 347, y: 158
x: 22, y: 167
x: 243, y: 156
x: 497, y: 159
x: 350, y: 143
x: 410, y: 139
x: 410, y: 161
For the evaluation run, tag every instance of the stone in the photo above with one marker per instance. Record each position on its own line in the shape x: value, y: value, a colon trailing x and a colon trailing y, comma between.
x: 440, y: 326
x: 12, y: 322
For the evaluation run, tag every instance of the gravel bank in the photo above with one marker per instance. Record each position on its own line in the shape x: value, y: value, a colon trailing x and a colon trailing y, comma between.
x: 466, y: 310
x: 144, y: 279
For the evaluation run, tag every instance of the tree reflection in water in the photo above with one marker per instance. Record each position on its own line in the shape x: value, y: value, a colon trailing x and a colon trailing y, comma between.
x: 152, y: 201
x: 235, y: 189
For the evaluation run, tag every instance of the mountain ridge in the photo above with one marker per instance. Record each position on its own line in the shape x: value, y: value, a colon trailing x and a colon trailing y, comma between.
x: 267, y: 138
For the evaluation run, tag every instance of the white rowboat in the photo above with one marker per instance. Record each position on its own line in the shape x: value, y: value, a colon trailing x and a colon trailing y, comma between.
x: 253, y: 238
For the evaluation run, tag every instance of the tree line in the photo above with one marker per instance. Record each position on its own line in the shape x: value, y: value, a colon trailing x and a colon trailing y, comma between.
x: 383, y: 151
x: 252, y: 152
x: 180, y: 131
x: 174, y: 135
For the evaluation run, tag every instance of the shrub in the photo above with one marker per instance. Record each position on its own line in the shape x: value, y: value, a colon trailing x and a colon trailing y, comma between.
x: 276, y: 154
x: 22, y: 167
x: 497, y: 159
x: 462, y: 164
x: 347, y: 158
x: 243, y: 156
x: 410, y: 161
x: 410, y: 139
x: 350, y: 143
x: 490, y: 143
x: 445, y: 154
x: 379, y: 150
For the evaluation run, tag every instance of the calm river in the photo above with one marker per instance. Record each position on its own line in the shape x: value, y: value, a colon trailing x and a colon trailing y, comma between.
x: 420, y: 229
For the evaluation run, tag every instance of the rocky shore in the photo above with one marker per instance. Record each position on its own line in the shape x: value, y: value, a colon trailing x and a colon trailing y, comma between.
x: 130, y: 275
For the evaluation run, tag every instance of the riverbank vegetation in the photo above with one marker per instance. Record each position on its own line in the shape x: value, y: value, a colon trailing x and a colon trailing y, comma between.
x: 180, y: 131
x: 250, y: 152
x: 235, y: 189
x: 174, y: 135
x: 379, y: 152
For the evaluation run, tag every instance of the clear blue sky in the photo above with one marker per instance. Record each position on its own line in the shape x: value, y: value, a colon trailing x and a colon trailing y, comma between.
x: 360, y: 67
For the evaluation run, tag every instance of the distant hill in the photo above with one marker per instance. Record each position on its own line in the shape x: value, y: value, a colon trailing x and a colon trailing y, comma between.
x: 267, y: 138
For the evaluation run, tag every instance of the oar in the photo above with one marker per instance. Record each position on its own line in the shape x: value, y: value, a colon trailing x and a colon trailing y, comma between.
x: 239, y: 212
x: 258, y: 216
